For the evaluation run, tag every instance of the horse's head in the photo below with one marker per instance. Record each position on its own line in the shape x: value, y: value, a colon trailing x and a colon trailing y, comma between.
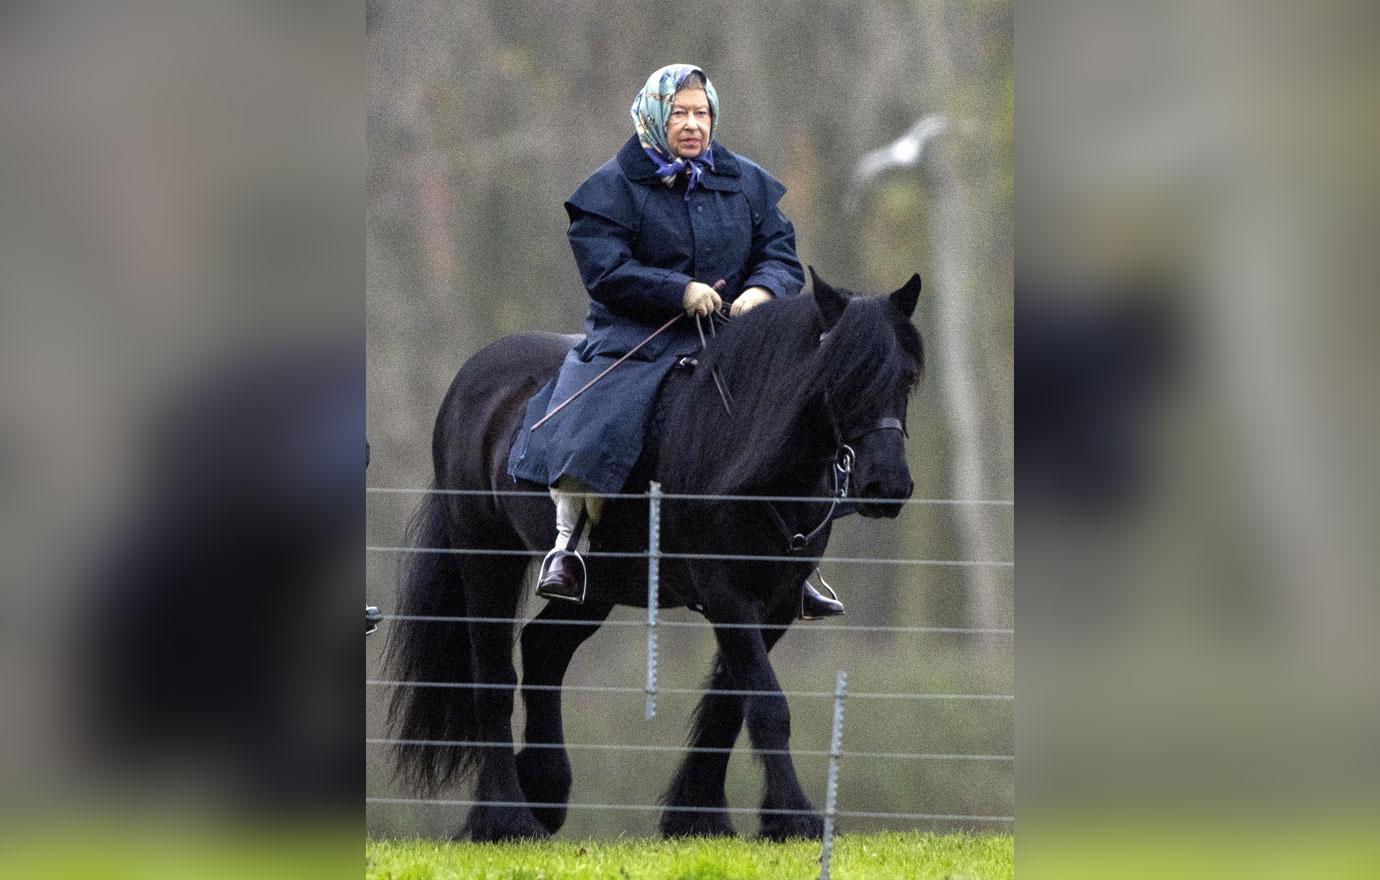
x: 874, y: 358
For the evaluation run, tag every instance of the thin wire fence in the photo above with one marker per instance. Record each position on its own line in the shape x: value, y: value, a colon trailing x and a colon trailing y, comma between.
x: 716, y: 557
x: 705, y: 624
x: 765, y: 811
x: 716, y: 692
x: 653, y: 623
x: 707, y: 750
x: 686, y: 496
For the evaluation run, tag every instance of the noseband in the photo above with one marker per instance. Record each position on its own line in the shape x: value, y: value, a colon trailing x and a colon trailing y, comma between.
x: 888, y: 423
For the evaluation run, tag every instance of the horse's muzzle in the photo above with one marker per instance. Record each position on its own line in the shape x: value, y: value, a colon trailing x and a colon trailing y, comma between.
x: 880, y: 502
x: 879, y: 511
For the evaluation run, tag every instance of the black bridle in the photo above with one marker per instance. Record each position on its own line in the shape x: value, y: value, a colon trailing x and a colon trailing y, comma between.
x: 843, y: 460
x: 842, y: 469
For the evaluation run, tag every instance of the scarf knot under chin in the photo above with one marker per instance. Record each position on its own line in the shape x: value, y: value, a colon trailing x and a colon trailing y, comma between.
x: 650, y: 111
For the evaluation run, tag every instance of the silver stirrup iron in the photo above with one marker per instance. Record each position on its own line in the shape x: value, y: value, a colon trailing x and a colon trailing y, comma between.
x: 584, y: 577
x: 822, y: 589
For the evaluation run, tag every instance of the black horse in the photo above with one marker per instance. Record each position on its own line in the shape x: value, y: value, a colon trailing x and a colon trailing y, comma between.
x: 805, y: 376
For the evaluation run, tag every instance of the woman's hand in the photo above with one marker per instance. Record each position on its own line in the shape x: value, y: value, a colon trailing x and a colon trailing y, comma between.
x: 701, y: 299
x: 749, y: 299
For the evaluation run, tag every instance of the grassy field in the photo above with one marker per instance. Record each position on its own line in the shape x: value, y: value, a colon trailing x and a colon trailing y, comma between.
x: 910, y: 855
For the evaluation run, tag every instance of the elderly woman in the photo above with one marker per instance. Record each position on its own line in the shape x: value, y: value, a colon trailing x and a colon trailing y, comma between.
x: 673, y: 222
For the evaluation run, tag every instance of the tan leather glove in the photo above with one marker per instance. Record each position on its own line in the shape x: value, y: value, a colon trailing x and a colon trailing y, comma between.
x: 701, y: 299
x: 749, y: 299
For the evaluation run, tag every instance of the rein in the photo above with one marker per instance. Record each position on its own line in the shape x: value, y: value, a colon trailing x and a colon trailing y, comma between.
x: 844, y: 458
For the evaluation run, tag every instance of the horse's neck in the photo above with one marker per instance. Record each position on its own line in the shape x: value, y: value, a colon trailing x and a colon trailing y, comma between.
x: 760, y: 443
x: 800, y: 470
x: 789, y: 462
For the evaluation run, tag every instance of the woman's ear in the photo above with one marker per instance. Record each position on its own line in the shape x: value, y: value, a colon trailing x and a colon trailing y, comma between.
x: 829, y: 301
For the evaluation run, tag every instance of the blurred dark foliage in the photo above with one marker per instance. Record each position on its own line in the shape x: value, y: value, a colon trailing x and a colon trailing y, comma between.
x: 213, y: 621
x: 1089, y: 372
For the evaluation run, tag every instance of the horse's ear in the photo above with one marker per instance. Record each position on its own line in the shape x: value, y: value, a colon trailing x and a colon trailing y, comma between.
x: 831, y: 303
x: 905, y: 298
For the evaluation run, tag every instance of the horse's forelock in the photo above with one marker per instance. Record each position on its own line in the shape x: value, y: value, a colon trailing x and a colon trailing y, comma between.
x: 867, y: 354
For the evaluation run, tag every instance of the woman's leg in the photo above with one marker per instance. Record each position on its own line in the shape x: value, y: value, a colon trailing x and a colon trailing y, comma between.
x: 562, y: 574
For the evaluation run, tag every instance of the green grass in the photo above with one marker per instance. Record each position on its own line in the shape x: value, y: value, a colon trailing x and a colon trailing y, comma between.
x: 167, y: 847
x: 910, y: 855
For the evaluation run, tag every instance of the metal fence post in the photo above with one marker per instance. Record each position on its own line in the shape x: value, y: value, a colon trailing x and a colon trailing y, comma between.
x: 653, y: 588
x: 831, y: 795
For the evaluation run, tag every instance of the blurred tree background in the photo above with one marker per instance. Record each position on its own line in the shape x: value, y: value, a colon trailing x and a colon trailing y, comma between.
x: 484, y: 116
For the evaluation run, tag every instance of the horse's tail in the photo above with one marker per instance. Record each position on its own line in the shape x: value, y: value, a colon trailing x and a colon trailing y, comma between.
x: 421, y: 651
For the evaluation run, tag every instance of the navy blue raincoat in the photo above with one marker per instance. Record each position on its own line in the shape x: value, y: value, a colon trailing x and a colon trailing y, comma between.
x: 638, y: 243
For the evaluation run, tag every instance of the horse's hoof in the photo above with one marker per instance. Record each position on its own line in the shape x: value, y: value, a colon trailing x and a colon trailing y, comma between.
x: 488, y: 824
x: 544, y: 775
x: 682, y: 823
x: 780, y: 827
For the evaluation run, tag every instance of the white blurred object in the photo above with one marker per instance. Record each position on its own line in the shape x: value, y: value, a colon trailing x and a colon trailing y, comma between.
x: 905, y: 152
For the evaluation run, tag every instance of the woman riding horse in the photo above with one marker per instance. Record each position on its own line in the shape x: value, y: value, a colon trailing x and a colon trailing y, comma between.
x: 665, y: 225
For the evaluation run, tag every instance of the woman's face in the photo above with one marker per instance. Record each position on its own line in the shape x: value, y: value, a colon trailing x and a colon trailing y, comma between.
x: 687, y: 129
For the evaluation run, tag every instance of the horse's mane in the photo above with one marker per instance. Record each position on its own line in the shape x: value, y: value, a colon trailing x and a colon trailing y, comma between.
x: 778, y: 370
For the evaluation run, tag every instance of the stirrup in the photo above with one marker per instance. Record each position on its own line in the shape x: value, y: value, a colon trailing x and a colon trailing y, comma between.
x: 831, y: 597
x: 549, y: 593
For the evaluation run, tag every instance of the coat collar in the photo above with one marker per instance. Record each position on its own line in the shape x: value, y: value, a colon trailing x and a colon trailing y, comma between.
x: 637, y: 167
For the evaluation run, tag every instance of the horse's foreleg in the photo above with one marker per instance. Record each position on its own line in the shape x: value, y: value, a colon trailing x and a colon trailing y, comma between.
x: 501, y: 814
x: 549, y: 640
x: 701, y: 778
x: 786, y: 811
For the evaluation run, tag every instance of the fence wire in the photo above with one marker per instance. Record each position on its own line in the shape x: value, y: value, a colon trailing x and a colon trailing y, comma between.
x: 705, y: 624
x: 684, y: 496
x: 764, y: 811
x: 708, y: 750
x: 717, y: 692
x: 716, y: 557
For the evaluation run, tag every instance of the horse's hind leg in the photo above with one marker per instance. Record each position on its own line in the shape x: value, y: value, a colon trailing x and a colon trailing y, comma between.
x: 549, y: 640
x: 699, y: 783
x: 500, y: 815
x: 700, y: 780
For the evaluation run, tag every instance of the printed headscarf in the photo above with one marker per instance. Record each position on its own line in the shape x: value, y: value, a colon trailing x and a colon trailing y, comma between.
x: 651, y: 110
